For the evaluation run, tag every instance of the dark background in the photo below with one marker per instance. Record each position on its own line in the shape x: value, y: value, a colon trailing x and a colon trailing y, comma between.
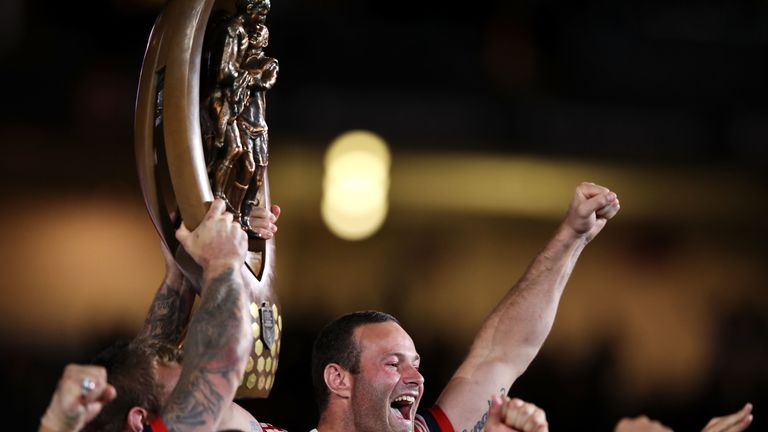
x: 657, y: 84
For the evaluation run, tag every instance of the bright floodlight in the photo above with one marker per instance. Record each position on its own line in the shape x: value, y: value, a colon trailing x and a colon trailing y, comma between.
x: 356, y: 185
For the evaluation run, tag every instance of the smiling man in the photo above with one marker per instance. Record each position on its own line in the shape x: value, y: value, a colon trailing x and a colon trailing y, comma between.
x: 365, y: 372
x: 365, y: 368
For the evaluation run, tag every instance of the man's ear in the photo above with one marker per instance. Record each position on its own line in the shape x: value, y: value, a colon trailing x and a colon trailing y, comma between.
x: 338, y: 380
x: 137, y: 417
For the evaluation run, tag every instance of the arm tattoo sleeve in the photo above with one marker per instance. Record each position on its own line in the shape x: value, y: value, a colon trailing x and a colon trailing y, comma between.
x: 207, y: 379
x: 168, y: 314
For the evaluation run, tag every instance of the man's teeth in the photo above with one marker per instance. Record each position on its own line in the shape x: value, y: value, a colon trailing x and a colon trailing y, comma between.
x: 408, y: 399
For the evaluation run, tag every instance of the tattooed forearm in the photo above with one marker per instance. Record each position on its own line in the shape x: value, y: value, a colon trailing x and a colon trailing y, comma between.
x: 480, y: 423
x: 212, y: 355
x: 168, y: 314
x: 484, y: 419
x: 199, y: 410
x: 215, y: 329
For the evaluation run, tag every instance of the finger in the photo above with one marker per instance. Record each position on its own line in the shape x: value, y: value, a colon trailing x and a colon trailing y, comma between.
x: 586, y: 208
x: 742, y: 425
x: 737, y: 421
x: 264, y: 234
x: 99, y: 372
x: 71, y: 383
x: 261, y: 222
x: 217, y: 207
x: 588, y: 190
x: 747, y: 407
x: 173, y: 216
x: 260, y: 212
x: 92, y: 409
x: 526, y: 412
x: 515, y: 406
x: 514, y: 416
x: 69, y: 393
x: 536, y: 419
x: 276, y: 210
x: 98, y: 375
x: 227, y: 216
x: 241, y: 238
x: 495, y: 413
x: 109, y: 394
x: 609, y: 211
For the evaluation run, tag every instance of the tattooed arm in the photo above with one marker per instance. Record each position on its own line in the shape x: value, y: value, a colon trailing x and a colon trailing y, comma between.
x: 170, y: 310
x: 512, y: 334
x: 217, y: 341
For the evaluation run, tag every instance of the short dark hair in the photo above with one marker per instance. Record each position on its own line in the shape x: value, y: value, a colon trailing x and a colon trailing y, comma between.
x: 131, y: 370
x: 335, y: 344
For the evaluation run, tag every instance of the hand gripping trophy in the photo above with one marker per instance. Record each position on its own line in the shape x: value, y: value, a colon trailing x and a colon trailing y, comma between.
x: 201, y: 133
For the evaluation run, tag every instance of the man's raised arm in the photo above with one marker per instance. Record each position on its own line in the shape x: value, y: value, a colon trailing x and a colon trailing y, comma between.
x: 218, y: 340
x: 515, y: 330
x: 169, y: 313
x: 171, y: 307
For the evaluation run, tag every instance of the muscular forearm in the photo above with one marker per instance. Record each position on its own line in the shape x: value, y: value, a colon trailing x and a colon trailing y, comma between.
x: 516, y: 329
x: 512, y: 334
x: 216, y: 350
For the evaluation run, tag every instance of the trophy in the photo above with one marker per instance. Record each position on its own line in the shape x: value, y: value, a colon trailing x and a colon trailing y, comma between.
x: 201, y: 133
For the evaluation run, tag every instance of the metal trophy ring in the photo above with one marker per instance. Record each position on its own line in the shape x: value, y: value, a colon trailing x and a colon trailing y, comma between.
x: 86, y: 386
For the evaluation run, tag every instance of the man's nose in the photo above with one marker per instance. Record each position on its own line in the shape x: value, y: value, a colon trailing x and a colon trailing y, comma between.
x: 411, y: 375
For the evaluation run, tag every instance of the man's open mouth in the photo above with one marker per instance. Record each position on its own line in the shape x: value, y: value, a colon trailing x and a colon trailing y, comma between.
x: 402, y: 406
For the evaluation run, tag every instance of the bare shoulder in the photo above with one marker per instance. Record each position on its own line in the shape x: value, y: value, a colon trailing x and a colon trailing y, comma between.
x: 236, y: 417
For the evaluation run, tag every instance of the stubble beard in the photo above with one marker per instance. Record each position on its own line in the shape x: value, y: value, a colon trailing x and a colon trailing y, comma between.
x: 367, y: 404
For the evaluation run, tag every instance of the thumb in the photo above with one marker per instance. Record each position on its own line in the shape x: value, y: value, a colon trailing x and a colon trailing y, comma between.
x: 494, y: 413
x: 92, y: 409
x: 276, y: 210
x: 109, y: 394
x: 182, y: 233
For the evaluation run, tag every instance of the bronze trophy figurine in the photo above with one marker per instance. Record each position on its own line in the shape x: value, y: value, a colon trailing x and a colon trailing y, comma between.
x: 201, y: 132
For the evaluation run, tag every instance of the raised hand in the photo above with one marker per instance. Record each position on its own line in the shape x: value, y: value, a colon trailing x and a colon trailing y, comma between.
x: 515, y: 415
x: 736, y: 422
x: 80, y: 395
x: 218, y: 241
x: 263, y: 222
x: 591, y: 207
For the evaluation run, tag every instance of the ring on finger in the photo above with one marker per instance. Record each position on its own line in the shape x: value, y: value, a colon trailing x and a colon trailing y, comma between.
x: 87, y: 385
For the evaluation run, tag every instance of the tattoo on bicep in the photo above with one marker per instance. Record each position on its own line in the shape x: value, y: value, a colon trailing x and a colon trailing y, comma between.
x: 484, y: 419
